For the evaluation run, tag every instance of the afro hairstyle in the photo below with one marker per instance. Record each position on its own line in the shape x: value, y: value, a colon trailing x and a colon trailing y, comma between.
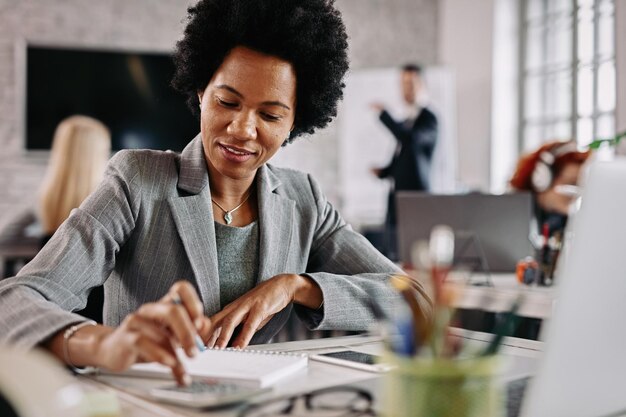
x: 307, y: 33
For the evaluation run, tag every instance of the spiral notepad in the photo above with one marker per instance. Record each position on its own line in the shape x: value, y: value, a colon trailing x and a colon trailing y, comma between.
x: 255, y: 368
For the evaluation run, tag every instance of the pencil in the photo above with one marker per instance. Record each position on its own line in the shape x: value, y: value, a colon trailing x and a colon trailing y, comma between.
x: 421, y: 329
x: 506, y: 327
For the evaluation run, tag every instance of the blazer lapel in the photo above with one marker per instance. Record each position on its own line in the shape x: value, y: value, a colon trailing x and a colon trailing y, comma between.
x: 193, y: 216
x: 275, y: 225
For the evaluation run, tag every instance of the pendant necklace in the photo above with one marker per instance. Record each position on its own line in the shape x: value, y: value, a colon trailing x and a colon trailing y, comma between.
x: 228, y: 214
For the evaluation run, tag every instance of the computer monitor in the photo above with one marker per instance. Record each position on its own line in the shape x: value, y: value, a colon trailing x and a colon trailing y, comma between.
x: 128, y: 91
x: 491, y: 231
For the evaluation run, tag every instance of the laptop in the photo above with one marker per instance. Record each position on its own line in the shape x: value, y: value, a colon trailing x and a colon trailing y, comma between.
x: 491, y: 231
x: 583, y: 369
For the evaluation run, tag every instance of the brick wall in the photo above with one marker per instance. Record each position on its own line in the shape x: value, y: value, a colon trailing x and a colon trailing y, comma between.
x: 382, y: 33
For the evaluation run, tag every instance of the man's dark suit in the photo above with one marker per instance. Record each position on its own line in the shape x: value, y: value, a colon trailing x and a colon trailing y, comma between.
x: 410, y: 166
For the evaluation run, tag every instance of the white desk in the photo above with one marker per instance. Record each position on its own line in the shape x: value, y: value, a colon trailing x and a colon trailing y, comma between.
x: 522, y: 353
x: 538, y: 301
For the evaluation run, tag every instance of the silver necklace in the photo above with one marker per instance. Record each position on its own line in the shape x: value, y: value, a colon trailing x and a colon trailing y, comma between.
x: 228, y: 214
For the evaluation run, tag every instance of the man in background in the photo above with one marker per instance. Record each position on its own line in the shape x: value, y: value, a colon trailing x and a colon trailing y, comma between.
x: 416, y: 136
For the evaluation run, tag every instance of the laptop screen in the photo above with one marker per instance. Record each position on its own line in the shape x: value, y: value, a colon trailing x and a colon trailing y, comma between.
x: 583, y: 371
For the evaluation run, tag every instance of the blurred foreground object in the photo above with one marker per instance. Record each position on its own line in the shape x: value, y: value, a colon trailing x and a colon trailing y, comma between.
x: 33, y: 384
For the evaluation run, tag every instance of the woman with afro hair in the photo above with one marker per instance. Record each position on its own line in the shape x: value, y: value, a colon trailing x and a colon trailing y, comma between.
x: 214, y: 245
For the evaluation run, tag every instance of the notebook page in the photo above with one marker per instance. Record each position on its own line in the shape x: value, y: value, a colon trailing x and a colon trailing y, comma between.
x: 245, y: 367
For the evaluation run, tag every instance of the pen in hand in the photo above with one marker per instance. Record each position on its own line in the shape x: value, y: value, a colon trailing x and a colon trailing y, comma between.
x: 199, y: 343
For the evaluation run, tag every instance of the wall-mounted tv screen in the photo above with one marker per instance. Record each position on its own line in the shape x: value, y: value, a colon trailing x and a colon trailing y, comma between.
x: 129, y: 92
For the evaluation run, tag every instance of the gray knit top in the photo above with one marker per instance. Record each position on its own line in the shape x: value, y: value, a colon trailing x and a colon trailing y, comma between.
x: 238, y: 259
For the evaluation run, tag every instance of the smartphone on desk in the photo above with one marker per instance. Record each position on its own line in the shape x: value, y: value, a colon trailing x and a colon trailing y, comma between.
x: 202, y: 394
x: 353, y: 359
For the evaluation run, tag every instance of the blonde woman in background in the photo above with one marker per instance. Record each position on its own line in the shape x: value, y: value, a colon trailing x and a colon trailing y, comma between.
x: 80, y: 151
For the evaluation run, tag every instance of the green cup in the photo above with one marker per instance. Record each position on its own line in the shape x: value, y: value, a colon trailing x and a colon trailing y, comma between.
x: 421, y: 387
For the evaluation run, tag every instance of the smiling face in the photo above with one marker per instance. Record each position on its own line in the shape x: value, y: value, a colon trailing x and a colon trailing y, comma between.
x: 247, y: 112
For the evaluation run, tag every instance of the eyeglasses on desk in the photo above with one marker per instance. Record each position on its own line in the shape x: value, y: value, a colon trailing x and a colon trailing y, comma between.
x: 327, y: 402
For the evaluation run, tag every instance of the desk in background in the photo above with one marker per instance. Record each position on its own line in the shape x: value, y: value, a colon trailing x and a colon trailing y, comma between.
x: 538, y: 301
x: 495, y: 293
x: 17, y: 244
x: 481, y: 297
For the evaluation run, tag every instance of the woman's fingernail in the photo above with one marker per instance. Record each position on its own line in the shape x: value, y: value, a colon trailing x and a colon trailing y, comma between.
x: 186, y: 380
x: 194, y: 352
x: 198, y: 322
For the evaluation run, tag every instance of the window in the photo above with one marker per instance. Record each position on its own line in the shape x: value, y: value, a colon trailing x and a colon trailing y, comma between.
x: 568, y: 71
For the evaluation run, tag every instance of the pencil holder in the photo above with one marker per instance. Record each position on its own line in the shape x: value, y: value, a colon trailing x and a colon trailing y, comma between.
x: 419, y: 387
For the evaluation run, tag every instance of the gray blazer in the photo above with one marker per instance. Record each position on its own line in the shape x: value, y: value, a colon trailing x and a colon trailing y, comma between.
x: 150, y: 224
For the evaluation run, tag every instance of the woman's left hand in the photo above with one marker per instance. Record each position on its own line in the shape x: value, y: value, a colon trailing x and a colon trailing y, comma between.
x: 256, y: 307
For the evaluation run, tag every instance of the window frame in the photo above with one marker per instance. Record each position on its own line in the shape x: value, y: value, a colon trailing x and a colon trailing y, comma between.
x: 572, y: 68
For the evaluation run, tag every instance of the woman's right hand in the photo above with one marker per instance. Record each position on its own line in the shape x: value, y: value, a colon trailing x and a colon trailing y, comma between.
x: 152, y: 333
